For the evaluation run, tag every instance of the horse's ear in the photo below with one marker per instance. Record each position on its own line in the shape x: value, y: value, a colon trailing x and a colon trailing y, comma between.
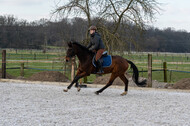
x: 69, y: 44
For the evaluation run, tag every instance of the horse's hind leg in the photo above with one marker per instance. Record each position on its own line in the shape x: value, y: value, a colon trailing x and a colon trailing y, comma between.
x: 112, y: 78
x: 125, y: 80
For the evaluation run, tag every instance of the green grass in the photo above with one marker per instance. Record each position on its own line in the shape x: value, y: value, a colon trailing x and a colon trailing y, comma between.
x: 37, y: 59
x: 12, y: 56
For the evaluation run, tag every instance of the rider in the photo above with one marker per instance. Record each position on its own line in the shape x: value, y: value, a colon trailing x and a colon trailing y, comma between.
x: 96, y: 45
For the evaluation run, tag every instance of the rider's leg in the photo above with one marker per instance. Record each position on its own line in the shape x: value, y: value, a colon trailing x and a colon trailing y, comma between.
x: 99, y: 62
x: 98, y: 59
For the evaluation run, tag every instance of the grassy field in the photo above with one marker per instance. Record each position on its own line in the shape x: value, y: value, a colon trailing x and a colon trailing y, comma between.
x: 179, y: 62
x: 54, y: 60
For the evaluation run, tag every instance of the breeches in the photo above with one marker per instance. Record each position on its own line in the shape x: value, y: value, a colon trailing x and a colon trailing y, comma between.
x: 99, y: 54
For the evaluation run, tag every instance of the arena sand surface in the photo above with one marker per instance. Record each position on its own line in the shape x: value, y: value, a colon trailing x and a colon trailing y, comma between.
x: 47, y: 105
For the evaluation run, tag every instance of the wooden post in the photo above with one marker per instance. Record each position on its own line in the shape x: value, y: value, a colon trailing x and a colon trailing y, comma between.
x: 72, y: 69
x: 65, y: 68
x: 3, y: 64
x: 149, y: 82
x: 170, y: 76
x: 165, y: 71
x: 22, y: 70
x: 34, y: 56
x: 85, y: 79
x: 80, y: 81
x: 52, y: 67
x: 27, y: 63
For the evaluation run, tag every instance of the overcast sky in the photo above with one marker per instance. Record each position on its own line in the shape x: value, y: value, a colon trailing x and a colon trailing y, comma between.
x: 175, y: 13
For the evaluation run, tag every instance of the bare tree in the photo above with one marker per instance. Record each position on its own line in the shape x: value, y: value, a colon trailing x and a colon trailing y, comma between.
x: 76, y: 8
x: 135, y: 12
x: 138, y: 12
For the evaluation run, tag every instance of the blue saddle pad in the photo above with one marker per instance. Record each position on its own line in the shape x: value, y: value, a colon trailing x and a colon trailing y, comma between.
x: 107, y: 61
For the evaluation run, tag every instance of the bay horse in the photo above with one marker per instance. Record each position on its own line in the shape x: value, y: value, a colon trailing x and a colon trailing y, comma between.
x: 117, y: 69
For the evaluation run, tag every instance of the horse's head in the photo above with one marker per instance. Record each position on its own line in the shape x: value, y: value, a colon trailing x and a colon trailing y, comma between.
x: 70, y: 52
x: 81, y: 51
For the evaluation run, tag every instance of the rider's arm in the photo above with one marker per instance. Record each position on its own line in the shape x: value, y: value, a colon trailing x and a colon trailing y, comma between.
x: 96, y: 42
x: 89, y: 45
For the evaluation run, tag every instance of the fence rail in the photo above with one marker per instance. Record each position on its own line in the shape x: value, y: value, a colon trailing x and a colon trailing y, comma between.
x: 156, y: 70
x: 55, y: 61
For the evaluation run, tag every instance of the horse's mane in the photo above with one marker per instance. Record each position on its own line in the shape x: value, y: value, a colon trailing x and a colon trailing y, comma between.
x: 83, y: 47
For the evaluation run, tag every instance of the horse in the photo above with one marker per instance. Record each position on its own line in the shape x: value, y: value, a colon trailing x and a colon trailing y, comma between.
x: 117, y: 69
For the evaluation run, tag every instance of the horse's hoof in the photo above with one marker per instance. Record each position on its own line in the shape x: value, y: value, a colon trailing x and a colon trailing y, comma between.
x: 97, y: 93
x: 65, y: 90
x: 78, y: 89
x: 124, y: 93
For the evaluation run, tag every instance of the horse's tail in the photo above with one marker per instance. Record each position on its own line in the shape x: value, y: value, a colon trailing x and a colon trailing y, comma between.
x: 135, y: 76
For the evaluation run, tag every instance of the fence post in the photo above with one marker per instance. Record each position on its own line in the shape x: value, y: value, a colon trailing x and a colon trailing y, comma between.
x: 85, y: 79
x: 52, y: 67
x: 22, y: 70
x: 165, y: 71
x: 149, y: 82
x: 142, y: 73
x: 73, y: 68
x: 3, y: 64
x: 65, y: 67
x: 34, y: 56
x: 170, y: 76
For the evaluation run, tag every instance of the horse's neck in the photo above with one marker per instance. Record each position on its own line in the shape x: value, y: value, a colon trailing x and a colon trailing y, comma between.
x: 83, y: 56
x: 83, y: 59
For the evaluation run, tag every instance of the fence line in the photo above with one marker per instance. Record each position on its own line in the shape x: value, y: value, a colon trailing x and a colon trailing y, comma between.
x: 153, y: 70
x: 58, y: 60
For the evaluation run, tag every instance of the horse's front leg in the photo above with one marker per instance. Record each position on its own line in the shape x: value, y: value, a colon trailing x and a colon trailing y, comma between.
x: 77, y: 77
x: 74, y: 81
x: 77, y: 86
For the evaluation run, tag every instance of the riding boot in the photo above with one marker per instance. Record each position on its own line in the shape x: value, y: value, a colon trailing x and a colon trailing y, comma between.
x: 97, y: 66
x: 99, y: 62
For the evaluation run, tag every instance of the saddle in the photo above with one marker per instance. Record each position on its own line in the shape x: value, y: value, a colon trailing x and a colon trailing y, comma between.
x: 105, y: 59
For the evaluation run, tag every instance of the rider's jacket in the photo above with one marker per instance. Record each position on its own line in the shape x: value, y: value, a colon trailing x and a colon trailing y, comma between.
x: 95, y: 42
